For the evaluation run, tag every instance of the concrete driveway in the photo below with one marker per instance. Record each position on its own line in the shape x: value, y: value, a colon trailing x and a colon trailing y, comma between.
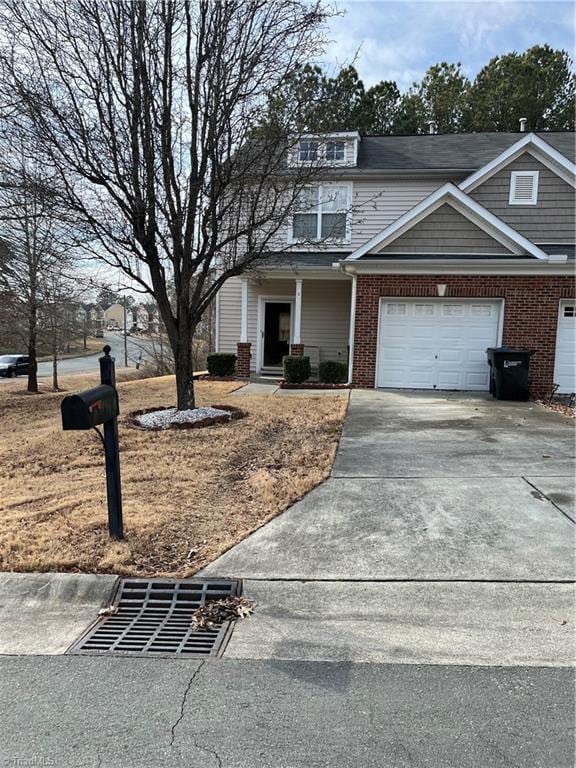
x: 430, y: 487
x: 443, y: 536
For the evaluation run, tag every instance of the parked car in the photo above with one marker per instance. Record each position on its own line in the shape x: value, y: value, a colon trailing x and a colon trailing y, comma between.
x: 99, y: 334
x: 13, y: 365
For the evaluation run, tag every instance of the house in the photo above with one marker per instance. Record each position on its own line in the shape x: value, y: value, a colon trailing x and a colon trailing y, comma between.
x: 440, y: 246
x: 115, y: 316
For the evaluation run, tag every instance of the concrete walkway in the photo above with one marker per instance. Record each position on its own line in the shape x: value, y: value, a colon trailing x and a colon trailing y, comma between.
x: 444, y: 535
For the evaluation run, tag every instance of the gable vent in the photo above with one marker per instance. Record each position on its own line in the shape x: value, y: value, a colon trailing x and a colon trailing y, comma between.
x: 524, y: 188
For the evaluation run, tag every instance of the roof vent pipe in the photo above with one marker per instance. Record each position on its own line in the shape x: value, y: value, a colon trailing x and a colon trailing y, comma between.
x: 523, y: 124
x: 432, y: 126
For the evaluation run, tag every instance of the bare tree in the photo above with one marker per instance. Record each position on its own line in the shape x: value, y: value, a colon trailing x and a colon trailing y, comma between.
x: 61, y: 315
x: 148, y: 111
x: 31, y: 230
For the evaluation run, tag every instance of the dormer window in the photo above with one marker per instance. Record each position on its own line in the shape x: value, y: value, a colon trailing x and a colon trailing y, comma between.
x: 335, y: 151
x: 523, y: 188
x: 308, y: 151
x: 331, y: 149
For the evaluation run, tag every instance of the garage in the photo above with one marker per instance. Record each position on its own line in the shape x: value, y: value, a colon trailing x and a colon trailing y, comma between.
x: 565, y: 363
x: 436, y: 343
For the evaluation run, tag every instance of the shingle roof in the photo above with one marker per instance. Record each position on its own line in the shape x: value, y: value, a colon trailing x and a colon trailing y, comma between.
x: 287, y: 259
x: 466, y: 151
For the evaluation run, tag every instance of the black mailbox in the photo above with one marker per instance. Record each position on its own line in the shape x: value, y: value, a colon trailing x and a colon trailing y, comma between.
x: 90, y: 408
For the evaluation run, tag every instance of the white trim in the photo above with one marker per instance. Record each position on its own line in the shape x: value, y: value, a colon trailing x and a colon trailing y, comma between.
x: 545, y: 153
x: 512, y: 199
x: 217, y: 324
x: 262, y: 301
x: 447, y: 299
x: 463, y: 204
x: 244, y: 312
x: 297, y: 313
x: 352, y: 331
x: 494, y: 266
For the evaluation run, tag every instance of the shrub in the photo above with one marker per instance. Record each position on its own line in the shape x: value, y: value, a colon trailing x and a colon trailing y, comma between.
x: 221, y: 363
x: 333, y: 372
x: 296, y: 369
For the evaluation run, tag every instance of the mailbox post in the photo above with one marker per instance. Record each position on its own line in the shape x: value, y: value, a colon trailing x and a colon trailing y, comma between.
x: 113, y: 488
x: 89, y: 409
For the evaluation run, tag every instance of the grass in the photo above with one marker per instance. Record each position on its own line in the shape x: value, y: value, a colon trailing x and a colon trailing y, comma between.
x: 93, y: 346
x: 188, y: 495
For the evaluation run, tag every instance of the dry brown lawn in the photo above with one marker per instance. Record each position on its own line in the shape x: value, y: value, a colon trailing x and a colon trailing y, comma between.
x: 188, y: 494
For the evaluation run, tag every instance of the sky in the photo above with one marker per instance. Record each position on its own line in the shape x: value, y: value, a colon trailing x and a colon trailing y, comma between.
x: 399, y: 39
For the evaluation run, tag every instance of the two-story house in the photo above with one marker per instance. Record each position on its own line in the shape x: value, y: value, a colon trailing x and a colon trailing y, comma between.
x: 440, y: 246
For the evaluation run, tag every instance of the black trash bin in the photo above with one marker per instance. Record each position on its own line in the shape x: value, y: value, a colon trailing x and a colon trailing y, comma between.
x: 509, y: 371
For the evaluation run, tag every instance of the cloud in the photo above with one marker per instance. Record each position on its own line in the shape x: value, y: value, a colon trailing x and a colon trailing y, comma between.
x: 399, y: 40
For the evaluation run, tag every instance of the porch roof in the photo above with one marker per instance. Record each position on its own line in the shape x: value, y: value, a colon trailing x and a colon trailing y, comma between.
x: 292, y: 259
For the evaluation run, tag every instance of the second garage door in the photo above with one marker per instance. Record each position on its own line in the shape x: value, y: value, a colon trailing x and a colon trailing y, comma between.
x: 436, y: 344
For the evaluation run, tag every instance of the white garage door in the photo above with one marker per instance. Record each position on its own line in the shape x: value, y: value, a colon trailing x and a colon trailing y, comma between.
x: 433, y: 344
x: 565, y: 368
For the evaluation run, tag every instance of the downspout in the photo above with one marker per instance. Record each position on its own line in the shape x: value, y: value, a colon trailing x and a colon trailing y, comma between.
x: 352, y: 329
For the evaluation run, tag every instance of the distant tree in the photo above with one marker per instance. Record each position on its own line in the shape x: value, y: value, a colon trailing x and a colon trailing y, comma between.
x: 538, y: 84
x: 441, y: 96
x: 36, y: 237
x: 61, y: 317
x: 310, y: 101
x: 411, y: 116
x: 378, y: 111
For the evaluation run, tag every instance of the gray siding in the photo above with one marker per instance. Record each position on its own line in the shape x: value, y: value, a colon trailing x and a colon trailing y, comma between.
x: 446, y: 230
x: 325, y: 313
x: 376, y: 203
x: 551, y: 220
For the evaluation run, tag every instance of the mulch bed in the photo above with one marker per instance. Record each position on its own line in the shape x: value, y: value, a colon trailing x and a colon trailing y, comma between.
x: 311, y: 385
x: 235, y: 413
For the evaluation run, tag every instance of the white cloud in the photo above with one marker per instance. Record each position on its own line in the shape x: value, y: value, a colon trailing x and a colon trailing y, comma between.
x: 400, y: 39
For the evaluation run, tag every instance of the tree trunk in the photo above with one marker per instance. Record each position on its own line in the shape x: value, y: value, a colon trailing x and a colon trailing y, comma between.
x: 32, y: 363
x: 55, y: 369
x: 84, y: 339
x: 184, y: 368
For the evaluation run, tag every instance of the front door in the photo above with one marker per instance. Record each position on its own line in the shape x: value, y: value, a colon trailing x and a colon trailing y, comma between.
x: 276, y: 332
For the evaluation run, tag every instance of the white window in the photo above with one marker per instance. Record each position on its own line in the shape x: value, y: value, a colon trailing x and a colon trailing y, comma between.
x: 569, y: 311
x: 323, y: 213
x: 396, y: 309
x: 523, y: 188
x: 308, y: 151
x: 335, y: 151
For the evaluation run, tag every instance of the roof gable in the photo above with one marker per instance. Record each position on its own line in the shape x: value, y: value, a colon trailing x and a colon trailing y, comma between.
x: 464, y: 204
x: 446, y: 230
x: 538, y: 148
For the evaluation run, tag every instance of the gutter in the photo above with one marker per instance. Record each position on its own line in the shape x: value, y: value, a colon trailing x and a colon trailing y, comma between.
x: 552, y: 265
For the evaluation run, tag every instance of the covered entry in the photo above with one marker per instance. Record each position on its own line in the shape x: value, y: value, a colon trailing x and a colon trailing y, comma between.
x: 436, y: 343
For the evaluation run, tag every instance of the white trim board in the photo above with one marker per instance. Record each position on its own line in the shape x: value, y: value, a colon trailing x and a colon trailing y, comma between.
x: 541, y: 150
x: 476, y: 213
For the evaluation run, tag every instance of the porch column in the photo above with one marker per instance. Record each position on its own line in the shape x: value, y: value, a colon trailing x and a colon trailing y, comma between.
x: 243, y: 346
x: 297, y: 347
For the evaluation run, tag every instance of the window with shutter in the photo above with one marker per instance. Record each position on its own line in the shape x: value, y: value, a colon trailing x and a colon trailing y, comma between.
x: 523, y: 188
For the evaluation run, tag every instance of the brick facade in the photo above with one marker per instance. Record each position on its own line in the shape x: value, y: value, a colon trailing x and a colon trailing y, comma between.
x: 530, y: 314
x: 243, y: 361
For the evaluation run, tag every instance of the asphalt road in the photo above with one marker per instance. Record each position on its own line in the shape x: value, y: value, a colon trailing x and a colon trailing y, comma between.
x: 86, y: 712
x: 89, y: 364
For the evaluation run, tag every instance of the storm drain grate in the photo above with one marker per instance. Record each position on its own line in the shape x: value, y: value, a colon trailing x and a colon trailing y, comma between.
x: 153, y: 617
